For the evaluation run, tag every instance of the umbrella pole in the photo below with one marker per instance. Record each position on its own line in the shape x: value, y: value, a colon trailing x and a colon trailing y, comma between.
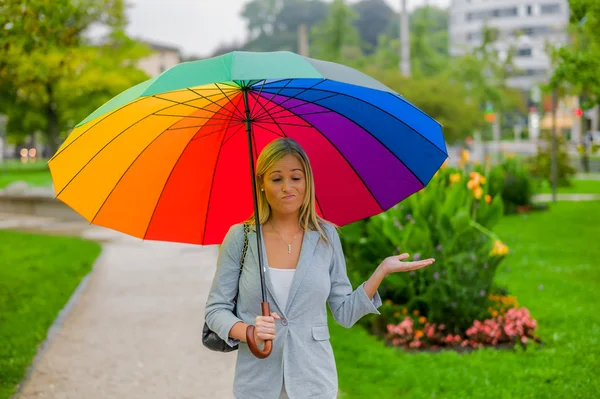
x: 266, y: 311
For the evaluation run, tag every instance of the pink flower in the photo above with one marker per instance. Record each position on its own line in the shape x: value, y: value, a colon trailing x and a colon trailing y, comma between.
x: 524, y: 339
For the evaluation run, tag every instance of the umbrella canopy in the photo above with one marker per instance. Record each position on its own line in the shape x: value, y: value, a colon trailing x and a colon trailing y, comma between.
x: 168, y: 159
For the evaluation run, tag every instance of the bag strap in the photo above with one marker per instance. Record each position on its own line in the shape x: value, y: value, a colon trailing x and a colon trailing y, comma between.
x: 243, y: 257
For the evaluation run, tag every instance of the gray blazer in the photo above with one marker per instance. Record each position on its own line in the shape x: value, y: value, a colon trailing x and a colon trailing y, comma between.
x: 302, y: 354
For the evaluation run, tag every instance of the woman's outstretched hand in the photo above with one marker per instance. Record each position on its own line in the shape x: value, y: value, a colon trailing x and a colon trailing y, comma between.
x: 394, y: 264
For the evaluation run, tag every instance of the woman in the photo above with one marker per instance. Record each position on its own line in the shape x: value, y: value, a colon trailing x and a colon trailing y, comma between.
x: 305, y: 270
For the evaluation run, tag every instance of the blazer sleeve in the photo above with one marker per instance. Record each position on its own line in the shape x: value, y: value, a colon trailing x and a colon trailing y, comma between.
x: 347, y: 306
x: 219, y: 314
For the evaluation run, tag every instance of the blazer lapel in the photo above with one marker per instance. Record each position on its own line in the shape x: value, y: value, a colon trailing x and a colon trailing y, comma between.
x: 309, y: 244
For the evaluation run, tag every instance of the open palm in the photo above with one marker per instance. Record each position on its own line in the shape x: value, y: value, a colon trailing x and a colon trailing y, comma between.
x: 395, y: 264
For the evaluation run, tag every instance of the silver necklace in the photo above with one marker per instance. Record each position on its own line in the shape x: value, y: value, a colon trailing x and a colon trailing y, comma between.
x: 288, y: 244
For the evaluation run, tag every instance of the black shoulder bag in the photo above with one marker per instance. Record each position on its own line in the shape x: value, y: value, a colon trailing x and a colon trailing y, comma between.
x: 209, y: 338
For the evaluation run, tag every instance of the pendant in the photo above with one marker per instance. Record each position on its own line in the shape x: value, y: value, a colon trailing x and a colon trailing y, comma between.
x: 289, y: 248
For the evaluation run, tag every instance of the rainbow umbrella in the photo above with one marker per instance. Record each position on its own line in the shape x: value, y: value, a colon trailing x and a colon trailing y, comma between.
x: 169, y: 159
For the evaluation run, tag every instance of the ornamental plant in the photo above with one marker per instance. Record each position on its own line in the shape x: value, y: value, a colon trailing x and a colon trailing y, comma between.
x: 451, y: 220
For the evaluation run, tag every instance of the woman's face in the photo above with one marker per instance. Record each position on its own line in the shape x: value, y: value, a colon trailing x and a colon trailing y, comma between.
x: 285, y: 185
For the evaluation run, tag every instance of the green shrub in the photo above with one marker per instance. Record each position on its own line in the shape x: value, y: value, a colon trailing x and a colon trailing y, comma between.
x: 449, y: 220
x: 511, y: 179
x: 540, y: 164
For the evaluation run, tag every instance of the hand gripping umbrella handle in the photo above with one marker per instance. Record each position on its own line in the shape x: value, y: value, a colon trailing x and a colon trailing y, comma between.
x: 256, y: 351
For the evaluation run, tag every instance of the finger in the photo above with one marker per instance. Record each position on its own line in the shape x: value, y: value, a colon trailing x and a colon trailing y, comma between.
x: 403, y: 256
x: 275, y: 316
x: 266, y: 337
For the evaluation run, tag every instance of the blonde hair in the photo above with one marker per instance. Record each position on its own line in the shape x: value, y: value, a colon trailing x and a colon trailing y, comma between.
x: 273, y: 152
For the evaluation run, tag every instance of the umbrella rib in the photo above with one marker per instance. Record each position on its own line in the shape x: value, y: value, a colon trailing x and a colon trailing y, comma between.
x: 304, y: 104
x: 343, y: 156
x: 165, y: 185
x: 260, y: 91
x: 226, y: 96
x: 379, y: 141
x: 99, y: 120
x: 269, y: 130
x: 123, y: 175
x: 270, y: 99
x: 212, y: 182
x: 308, y: 113
x: 195, y: 117
x: 195, y: 99
x: 221, y: 107
x: 106, y: 145
x: 236, y: 132
x: 382, y: 110
x: 209, y: 134
x: 296, y: 95
x: 285, y: 124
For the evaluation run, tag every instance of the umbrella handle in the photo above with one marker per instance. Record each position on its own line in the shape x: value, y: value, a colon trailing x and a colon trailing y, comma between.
x: 256, y: 351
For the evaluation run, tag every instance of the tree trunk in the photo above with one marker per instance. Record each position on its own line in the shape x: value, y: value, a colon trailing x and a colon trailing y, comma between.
x: 52, y: 119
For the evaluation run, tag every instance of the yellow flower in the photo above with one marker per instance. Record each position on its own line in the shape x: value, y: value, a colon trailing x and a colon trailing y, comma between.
x: 472, y: 184
x: 477, y: 177
x: 419, y: 333
x: 455, y: 178
x: 494, y: 313
x: 422, y: 319
x: 397, y: 314
x: 499, y: 249
x: 488, y: 198
x: 404, y: 311
x: 388, y: 302
x: 477, y: 192
x: 415, y: 312
x: 465, y: 155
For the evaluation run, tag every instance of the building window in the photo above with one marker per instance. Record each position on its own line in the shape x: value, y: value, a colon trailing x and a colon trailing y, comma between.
x: 524, y: 52
x: 496, y: 13
x: 529, y: 10
x: 550, y: 9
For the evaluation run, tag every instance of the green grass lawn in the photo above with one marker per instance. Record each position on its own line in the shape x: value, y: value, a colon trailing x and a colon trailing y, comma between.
x: 578, y: 187
x: 38, y: 274
x: 36, y: 174
x: 553, y: 269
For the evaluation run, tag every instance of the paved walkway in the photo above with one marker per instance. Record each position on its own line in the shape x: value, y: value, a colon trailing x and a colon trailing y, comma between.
x: 566, y: 197
x: 133, y: 329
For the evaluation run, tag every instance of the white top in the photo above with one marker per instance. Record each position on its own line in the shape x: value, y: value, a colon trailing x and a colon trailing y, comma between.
x: 282, y: 281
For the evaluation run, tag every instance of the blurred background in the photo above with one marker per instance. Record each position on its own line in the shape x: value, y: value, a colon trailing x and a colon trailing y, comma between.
x: 494, y: 58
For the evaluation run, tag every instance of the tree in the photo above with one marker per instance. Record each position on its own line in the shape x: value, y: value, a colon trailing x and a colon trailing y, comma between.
x: 336, y: 39
x: 484, y: 75
x: 50, y: 76
x: 374, y: 16
x: 428, y: 43
x: 578, y: 62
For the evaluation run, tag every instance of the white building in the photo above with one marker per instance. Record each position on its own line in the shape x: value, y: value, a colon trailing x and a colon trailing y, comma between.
x: 162, y: 58
x: 525, y: 25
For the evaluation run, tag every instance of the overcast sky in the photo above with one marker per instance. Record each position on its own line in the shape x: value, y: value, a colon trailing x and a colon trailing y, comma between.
x: 197, y: 27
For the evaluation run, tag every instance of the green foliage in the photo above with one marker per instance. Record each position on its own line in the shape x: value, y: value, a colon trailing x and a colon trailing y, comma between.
x: 38, y: 274
x: 336, y: 38
x: 50, y: 76
x: 577, y: 64
x: 512, y: 180
x: 444, y: 221
x: 540, y: 164
x: 552, y: 273
x: 485, y: 75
